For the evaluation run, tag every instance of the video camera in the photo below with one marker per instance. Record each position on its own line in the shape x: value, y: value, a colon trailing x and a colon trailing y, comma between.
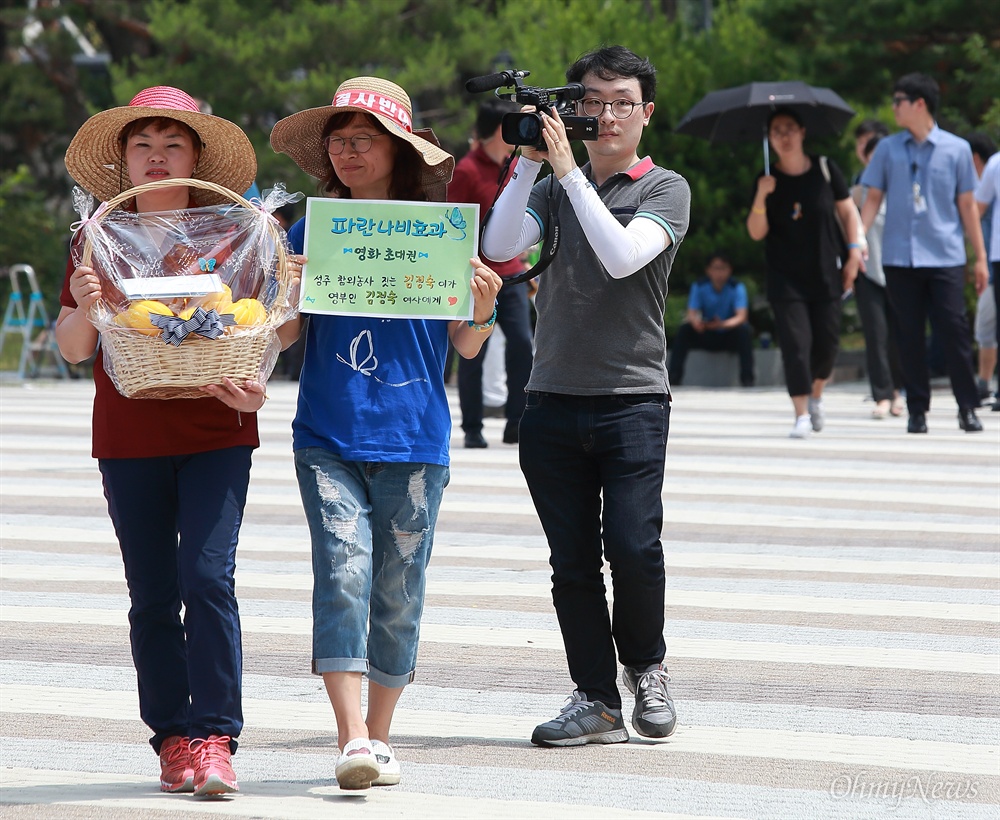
x: 526, y: 128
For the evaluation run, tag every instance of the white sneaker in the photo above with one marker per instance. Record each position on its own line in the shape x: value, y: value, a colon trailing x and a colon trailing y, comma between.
x: 357, y: 766
x: 816, y: 415
x: 388, y: 766
x: 803, y: 427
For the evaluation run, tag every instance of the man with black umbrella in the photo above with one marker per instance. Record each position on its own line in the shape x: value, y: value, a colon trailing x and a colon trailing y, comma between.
x: 927, y: 178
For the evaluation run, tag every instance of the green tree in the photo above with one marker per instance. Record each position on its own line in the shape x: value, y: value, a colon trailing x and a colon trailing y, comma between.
x: 256, y: 61
x: 30, y: 234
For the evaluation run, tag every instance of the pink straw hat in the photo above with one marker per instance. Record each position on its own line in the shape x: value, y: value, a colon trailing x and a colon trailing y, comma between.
x: 301, y: 135
x: 96, y: 161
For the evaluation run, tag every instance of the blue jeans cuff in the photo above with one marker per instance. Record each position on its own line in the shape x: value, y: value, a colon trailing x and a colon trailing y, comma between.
x: 321, y: 665
x: 390, y: 681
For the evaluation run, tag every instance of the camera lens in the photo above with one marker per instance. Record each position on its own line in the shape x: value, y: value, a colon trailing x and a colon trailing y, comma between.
x: 521, y: 129
x: 529, y: 129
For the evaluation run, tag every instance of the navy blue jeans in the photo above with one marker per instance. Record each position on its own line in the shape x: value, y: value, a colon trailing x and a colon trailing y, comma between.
x: 594, y: 467
x: 177, y: 519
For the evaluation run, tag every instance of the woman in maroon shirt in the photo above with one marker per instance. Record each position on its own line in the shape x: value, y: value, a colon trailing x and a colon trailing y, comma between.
x: 175, y: 471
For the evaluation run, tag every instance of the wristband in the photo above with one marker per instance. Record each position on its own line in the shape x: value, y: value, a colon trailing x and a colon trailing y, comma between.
x: 484, y: 327
x: 756, y: 210
x: 853, y: 245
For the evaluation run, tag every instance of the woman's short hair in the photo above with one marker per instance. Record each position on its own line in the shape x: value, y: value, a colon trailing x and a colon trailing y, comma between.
x: 784, y: 111
x: 159, y: 124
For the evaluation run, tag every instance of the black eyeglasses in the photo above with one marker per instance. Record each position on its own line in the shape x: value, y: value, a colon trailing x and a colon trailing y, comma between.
x: 899, y: 99
x: 621, y: 109
x: 361, y: 143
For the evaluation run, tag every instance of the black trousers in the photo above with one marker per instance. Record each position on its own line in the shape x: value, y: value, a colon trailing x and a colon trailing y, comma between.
x: 594, y: 466
x: 915, y: 295
x: 881, y: 351
x: 514, y: 318
x: 736, y: 339
x: 809, y: 337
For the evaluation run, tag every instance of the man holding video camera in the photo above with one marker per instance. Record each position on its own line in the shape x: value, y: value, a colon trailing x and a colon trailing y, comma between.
x: 594, y: 431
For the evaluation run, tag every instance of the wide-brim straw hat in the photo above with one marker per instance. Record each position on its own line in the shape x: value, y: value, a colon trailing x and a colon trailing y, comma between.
x: 96, y: 161
x: 301, y: 134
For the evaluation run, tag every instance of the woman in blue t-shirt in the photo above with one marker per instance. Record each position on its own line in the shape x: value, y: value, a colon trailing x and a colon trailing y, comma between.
x: 372, y: 428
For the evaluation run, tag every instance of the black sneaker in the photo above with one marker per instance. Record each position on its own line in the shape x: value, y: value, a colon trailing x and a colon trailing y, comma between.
x: 475, y: 441
x: 579, y: 722
x: 654, y: 714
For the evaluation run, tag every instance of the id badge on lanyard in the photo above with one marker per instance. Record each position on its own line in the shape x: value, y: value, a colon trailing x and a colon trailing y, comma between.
x: 919, y: 202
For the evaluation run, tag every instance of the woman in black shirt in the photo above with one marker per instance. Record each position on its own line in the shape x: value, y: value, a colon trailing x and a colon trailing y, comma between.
x: 808, y: 267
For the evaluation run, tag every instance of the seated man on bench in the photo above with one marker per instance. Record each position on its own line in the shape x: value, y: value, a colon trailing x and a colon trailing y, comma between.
x: 717, y: 319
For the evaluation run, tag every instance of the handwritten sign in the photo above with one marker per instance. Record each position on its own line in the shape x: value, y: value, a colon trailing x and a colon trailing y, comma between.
x: 400, y: 260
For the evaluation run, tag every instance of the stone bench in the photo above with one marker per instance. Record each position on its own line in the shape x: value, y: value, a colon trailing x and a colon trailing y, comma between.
x: 705, y: 368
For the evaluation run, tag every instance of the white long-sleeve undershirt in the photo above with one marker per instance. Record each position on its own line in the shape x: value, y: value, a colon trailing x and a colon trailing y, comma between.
x: 621, y: 249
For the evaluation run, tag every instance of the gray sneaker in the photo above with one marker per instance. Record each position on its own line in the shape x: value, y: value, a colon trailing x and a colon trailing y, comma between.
x: 654, y: 714
x: 581, y: 721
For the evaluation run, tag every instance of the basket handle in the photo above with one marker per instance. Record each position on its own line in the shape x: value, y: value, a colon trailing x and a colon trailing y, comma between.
x: 272, y: 227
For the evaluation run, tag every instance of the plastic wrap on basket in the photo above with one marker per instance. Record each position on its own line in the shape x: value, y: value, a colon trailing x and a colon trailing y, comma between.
x: 189, y: 296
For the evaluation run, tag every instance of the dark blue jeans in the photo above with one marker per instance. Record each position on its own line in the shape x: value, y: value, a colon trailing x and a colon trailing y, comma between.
x: 514, y: 318
x: 577, y: 453
x: 177, y: 519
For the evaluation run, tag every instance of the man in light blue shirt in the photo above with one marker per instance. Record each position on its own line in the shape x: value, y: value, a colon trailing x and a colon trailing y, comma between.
x: 927, y: 178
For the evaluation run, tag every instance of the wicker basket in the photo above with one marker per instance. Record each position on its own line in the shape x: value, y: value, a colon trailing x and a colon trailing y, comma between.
x: 144, y: 366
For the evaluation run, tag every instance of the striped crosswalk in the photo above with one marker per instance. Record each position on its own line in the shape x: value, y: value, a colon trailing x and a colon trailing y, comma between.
x: 833, y: 631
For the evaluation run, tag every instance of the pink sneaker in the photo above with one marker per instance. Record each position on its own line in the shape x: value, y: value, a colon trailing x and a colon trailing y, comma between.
x: 213, y: 773
x: 176, y: 774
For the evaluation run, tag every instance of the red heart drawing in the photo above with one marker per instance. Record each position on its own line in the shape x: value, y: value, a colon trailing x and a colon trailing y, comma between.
x: 452, y: 300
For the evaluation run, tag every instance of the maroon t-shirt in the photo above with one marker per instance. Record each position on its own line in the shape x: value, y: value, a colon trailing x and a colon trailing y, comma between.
x: 145, y: 428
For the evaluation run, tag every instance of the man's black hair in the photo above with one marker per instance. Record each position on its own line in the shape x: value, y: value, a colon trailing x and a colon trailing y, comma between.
x: 720, y: 256
x: 918, y: 86
x: 612, y: 62
x: 489, y: 115
x: 982, y: 145
x: 869, y: 148
x: 874, y: 127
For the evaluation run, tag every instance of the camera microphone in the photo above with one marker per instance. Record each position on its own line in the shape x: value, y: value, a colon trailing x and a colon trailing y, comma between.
x: 488, y: 82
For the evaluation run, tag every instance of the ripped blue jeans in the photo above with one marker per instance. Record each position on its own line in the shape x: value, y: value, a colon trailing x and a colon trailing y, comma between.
x: 372, y: 528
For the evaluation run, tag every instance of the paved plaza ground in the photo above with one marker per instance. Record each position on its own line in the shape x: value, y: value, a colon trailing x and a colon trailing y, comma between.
x: 833, y: 624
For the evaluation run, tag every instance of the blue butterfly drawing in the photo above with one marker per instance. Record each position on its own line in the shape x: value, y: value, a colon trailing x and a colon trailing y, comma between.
x: 207, y: 265
x: 457, y: 221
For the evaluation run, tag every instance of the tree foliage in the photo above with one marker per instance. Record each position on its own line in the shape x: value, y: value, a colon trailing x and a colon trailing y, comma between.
x: 256, y: 61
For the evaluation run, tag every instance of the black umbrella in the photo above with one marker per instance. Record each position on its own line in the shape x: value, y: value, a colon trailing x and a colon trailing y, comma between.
x: 739, y: 114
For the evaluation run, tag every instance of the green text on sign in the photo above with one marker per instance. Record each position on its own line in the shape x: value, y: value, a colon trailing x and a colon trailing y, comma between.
x: 405, y: 260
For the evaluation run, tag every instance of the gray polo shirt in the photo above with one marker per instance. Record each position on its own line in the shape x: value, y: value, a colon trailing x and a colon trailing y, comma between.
x: 597, y: 335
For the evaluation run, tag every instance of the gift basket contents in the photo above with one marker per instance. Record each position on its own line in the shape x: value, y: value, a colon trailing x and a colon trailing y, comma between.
x: 188, y: 297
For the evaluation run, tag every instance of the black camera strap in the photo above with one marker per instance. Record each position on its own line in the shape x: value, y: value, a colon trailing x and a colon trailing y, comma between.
x: 551, y: 243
